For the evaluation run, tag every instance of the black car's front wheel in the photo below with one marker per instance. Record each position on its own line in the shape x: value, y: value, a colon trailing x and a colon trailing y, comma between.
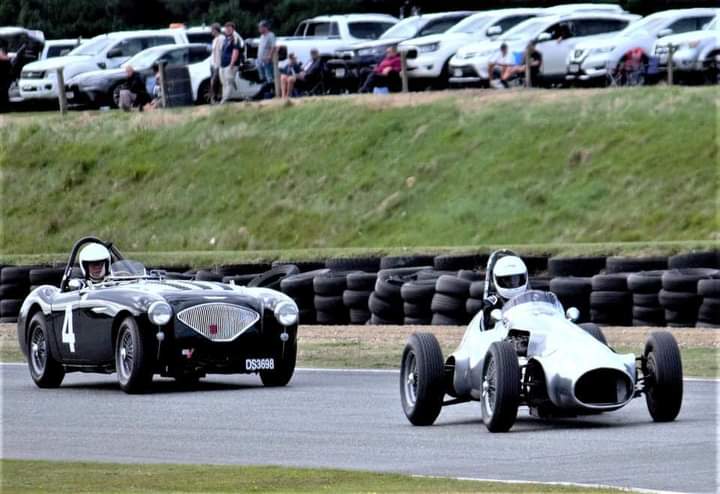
x: 284, y: 369
x: 133, y: 358
x: 45, y: 371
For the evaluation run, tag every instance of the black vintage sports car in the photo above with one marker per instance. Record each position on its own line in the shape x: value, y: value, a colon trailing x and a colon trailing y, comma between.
x: 139, y: 324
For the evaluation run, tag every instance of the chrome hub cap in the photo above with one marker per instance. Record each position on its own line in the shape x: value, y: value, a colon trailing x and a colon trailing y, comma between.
x: 411, y: 383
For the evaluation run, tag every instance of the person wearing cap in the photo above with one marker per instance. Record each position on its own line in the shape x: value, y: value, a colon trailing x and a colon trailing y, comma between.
x: 266, y: 50
x: 499, y: 64
x: 229, y: 59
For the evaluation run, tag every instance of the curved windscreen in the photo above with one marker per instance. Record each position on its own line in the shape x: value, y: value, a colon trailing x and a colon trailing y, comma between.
x: 537, y: 301
x: 126, y: 268
x: 407, y: 28
x: 471, y: 25
x: 92, y: 47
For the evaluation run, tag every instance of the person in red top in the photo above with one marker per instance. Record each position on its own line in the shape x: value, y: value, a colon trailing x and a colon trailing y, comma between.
x: 386, y: 73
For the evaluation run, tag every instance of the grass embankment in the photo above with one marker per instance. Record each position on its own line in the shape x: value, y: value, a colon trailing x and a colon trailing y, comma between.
x: 462, y: 169
x: 20, y: 477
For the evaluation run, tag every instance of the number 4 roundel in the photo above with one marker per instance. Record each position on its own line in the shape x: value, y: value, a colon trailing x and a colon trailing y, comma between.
x: 68, y: 335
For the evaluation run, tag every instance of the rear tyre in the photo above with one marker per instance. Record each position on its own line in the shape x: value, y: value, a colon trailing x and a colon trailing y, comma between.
x: 662, y: 368
x: 501, y: 387
x: 45, y: 371
x: 133, y: 358
x: 594, y: 330
x: 422, y: 383
x: 283, y: 371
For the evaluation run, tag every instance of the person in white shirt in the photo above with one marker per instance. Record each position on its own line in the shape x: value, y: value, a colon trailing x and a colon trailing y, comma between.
x: 501, y: 64
x: 215, y: 86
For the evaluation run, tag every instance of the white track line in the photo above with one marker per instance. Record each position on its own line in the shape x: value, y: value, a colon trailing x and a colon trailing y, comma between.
x: 560, y: 484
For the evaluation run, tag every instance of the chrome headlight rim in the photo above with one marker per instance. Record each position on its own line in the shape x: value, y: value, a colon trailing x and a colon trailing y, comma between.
x: 160, y: 313
x: 286, y: 313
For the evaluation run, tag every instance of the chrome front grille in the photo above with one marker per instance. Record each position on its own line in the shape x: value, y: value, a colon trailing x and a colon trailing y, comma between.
x: 218, y: 321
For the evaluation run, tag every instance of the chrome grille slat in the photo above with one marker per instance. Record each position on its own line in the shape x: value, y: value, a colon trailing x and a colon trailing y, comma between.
x: 229, y: 321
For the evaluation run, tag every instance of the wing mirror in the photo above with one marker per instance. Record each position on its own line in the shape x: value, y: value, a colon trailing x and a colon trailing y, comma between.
x: 665, y: 32
x: 573, y: 314
x: 544, y: 37
x: 76, y: 284
x: 496, y: 315
x: 494, y: 31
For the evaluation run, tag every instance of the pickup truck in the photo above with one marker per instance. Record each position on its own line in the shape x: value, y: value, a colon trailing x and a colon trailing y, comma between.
x: 332, y: 33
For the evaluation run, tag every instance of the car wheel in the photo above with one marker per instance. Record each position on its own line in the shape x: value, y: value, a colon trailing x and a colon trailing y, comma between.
x: 283, y: 371
x: 662, y: 369
x: 115, y: 97
x: 132, y: 358
x: 205, y: 95
x: 500, y: 387
x: 44, y: 369
x: 422, y: 383
x: 594, y: 330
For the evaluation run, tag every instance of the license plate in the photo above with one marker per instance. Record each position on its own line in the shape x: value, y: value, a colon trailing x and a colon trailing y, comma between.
x: 258, y: 364
x: 458, y: 72
x: 339, y: 72
x: 574, y: 68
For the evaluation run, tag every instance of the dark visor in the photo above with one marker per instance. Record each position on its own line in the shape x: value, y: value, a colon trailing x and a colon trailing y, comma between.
x: 512, y: 281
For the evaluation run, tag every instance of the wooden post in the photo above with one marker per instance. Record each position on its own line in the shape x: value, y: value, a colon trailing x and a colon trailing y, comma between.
x: 403, y: 71
x: 62, y: 97
x: 163, y: 85
x: 671, y: 52
x: 528, y: 72
x: 276, y: 71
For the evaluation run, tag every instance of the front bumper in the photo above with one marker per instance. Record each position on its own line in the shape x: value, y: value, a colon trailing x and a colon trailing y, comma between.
x: 588, y: 69
x: 38, y: 89
x: 685, y: 60
x: 424, y: 66
x: 465, y: 75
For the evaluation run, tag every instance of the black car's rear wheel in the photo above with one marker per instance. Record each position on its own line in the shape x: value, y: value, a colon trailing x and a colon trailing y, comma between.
x: 500, y: 387
x: 45, y: 371
x: 284, y: 369
x: 422, y: 379
x: 133, y: 358
x: 662, y: 368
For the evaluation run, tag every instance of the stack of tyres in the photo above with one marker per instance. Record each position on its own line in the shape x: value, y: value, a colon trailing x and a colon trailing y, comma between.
x: 417, y: 297
x: 621, y: 264
x: 356, y: 297
x: 573, y: 292
x: 459, y: 261
x: 386, y: 303
x: 300, y: 288
x: 14, y: 287
x: 695, y: 260
x: 679, y: 295
x: 541, y: 283
x: 476, y: 294
x: 645, y: 287
x: 45, y: 276
x: 709, y: 313
x: 329, y: 305
x: 575, y: 266
x: 449, y: 302
x: 610, y: 301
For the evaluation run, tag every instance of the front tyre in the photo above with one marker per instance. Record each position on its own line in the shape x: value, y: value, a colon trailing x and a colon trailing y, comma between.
x: 45, y: 371
x: 662, y: 368
x: 500, y: 387
x: 133, y: 358
x: 422, y: 383
x: 594, y: 330
x: 283, y: 371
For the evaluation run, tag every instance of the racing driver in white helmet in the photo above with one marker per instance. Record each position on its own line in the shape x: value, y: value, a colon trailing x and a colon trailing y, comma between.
x: 507, y: 278
x: 94, y: 262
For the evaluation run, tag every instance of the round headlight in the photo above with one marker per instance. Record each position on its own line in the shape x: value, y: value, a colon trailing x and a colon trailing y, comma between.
x: 160, y: 313
x: 286, y: 313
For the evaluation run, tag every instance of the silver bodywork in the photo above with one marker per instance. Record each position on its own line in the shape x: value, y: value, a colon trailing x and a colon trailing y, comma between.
x: 567, y: 355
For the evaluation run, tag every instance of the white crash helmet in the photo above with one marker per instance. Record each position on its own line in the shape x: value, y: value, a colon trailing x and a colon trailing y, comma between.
x: 93, y: 253
x: 510, y: 277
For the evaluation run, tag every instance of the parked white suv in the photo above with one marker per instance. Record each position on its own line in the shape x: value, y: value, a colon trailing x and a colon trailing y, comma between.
x: 697, y: 52
x: 333, y: 33
x: 591, y: 60
x: 107, y: 51
x: 470, y: 65
x: 434, y: 52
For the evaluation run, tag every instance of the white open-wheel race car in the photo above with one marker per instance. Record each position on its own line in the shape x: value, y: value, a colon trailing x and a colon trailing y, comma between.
x: 535, y: 355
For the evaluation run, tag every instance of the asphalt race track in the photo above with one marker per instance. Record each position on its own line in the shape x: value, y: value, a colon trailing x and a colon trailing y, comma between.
x: 352, y: 420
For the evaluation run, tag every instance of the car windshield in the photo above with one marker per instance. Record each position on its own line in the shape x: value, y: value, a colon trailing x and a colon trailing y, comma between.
x: 525, y: 30
x: 407, y: 28
x: 145, y: 58
x: 470, y: 25
x: 127, y: 268
x: 647, y: 25
x: 92, y: 47
x: 714, y: 25
x: 535, y: 301
x: 368, y: 30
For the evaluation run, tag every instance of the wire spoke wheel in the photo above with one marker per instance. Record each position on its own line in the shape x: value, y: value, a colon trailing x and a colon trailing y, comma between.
x: 126, y: 355
x: 490, y: 387
x: 45, y: 371
x: 133, y: 357
x: 410, y: 378
x: 38, y: 350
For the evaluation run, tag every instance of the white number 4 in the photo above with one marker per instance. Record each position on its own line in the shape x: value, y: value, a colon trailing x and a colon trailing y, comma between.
x: 68, y: 336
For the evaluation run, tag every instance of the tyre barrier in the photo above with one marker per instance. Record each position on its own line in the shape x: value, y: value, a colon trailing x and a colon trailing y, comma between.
x: 681, y: 290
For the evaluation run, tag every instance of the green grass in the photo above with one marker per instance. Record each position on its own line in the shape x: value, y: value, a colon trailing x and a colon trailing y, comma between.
x: 20, y: 477
x: 543, y: 169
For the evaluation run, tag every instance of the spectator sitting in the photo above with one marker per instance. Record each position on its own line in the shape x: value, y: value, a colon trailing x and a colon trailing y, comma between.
x: 386, y: 73
x: 313, y: 70
x: 289, y: 74
x: 500, y: 65
x: 133, y: 92
x: 156, y: 90
x: 535, y: 65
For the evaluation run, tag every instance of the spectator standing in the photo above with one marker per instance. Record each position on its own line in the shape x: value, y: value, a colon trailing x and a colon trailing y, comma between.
x: 266, y: 50
x: 386, y: 73
x: 229, y: 59
x: 133, y: 92
x: 6, y: 70
x: 217, y: 43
